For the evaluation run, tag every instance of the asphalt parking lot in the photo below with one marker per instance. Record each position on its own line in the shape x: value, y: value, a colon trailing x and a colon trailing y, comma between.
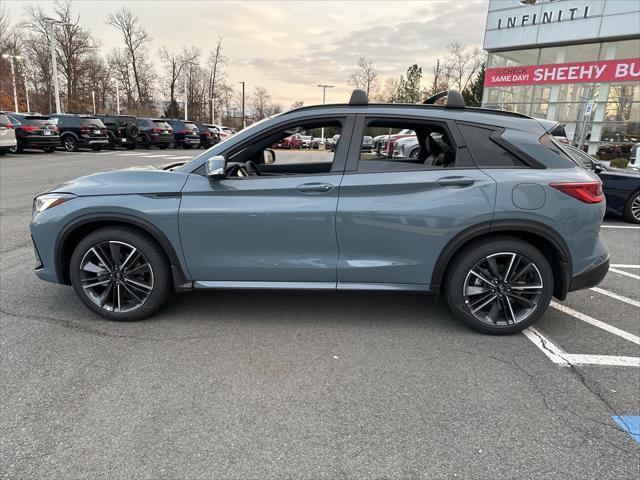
x: 308, y: 385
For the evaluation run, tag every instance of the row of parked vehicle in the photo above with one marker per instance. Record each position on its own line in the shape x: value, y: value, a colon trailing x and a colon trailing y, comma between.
x: 19, y: 131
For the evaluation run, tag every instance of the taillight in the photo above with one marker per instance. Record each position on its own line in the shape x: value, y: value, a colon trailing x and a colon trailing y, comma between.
x: 84, y: 129
x: 186, y: 132
x: 206, y: 134
x: 56, y: 129
x: 28, y: 128
x: 587, y: 192
x: 6, y: 125
x: 156, y: 130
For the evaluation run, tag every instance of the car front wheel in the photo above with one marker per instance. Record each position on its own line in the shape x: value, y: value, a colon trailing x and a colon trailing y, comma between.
x: 499, y: 285
x: 120, y: 273
x: 632, y: 209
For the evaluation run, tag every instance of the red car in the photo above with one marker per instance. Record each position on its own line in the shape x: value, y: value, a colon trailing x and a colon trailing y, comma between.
x: 387, y: 144
x: 291, y: 142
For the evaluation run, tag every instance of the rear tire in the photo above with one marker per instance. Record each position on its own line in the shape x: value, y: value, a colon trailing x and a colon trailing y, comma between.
x: 186, y: 146
x: 632, y: 209
x: 70, y: 144
x: 130, y: 146
x: 49, y: 149
x: 163, y: 146
x: 148, y: 277
x: 520, y: 295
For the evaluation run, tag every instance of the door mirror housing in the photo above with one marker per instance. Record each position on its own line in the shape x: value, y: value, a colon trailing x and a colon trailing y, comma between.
x: 269, y: 156
x: 215, y: 167
x: 597, y: 167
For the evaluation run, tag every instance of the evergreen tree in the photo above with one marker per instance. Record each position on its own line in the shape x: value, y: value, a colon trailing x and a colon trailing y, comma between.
x: 473, y: 93
x: 409, y: 90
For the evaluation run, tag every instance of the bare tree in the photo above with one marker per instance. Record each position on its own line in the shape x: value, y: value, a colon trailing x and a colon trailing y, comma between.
x: 261, y: 104
x: 365, y: 76
x: 173, y: 64
x: 216, y: 63
x: 136, y: 42
x: 297, y: 104
x: 461, y: 65
x: 439, y: 81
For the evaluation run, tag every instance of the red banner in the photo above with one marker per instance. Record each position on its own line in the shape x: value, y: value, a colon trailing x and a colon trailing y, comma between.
x: 581, y: 72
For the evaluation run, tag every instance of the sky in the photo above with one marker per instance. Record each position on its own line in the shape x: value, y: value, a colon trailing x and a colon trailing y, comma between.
x: 289, y: 47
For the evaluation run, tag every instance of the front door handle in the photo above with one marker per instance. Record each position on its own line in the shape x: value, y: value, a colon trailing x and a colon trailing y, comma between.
x: 455, y: 181
x: 314, y: 187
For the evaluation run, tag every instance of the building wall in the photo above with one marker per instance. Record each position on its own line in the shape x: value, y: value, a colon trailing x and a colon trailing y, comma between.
x: 609, y: 32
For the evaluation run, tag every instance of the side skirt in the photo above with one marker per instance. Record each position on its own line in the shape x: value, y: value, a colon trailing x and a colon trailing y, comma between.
x: 217, y: 284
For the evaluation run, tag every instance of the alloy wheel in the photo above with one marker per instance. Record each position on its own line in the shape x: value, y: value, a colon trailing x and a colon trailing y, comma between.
x: 116, y: 276
x: 503, y: 289
x: 69, y: 144
x: 635, y: 208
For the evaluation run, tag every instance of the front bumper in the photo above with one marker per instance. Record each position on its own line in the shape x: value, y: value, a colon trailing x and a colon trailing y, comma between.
x: 589, y: 278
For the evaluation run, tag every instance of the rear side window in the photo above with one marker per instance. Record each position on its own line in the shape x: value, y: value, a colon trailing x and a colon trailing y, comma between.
x: 161, y: 124
x: 486, y: 152
x: 91, y: 122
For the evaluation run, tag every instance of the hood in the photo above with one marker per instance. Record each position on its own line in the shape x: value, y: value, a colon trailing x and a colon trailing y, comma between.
x: 143, y: 180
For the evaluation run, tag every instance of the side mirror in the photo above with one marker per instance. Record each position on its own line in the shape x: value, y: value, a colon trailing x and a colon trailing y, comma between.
x: 597, y: 167
x: 268, y: 156
x: 215, y: 167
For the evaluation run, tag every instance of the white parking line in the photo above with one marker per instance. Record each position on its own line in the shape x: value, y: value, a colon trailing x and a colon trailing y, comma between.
x: 155, y: 156
x: 630, y: 301
x: 564, y: 359
x: 618, y: 226
x: 179, y: 158
x: 626, y: 274
x: 130, y: 154
x: 624, y: 265
x: 597, y: 323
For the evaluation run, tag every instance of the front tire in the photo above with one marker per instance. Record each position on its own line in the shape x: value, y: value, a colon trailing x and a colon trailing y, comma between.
x: 632, y: 209
x: 499, y: 285
x: 50, y: 149
x: 120, y: 274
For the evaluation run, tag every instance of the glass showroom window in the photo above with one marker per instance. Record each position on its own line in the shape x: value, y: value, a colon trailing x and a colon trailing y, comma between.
x: 514, y: 58
x: 621, y: 50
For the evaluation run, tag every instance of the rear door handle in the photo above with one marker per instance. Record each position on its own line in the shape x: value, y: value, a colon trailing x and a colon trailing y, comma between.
x: 314, y: 187
x: 455, y: 181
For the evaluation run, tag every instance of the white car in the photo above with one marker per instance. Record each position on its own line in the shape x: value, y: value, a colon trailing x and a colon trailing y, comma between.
x: 306, y: 141
x: 225, y: 132
x: 7, y: 135
x: 405, y: 147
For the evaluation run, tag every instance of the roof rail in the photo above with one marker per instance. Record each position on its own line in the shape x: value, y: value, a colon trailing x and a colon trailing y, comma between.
x: 359, y: 97
x: 453, y: 99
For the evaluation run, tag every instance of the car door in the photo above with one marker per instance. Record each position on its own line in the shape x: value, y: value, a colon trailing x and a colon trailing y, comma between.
x: 395, y: 220
x: 263, y: 231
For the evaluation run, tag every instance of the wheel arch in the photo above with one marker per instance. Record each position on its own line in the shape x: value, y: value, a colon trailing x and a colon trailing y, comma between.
x: 77, y: 229
x: 541, y: 236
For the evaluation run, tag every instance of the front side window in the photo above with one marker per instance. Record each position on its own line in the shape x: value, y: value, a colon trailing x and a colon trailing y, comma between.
x: 391, y: 145
x: 281, y: 152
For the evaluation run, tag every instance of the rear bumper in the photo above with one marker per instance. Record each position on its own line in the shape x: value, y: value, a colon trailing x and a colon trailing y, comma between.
x: 40, y: 141
x: 589, y: 278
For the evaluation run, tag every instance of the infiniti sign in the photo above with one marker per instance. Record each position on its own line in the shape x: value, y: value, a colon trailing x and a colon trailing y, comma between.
x: 548, y: 16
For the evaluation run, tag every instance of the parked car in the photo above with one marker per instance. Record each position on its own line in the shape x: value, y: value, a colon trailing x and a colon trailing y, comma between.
x: 389, y: 141
x: 634, y: 157
x: 209, y: 136
x: 332, y: 143
x: 78, y: 131
x: 498, y: 218
x: 185, y: 133
x: 7, y: 135
x: 34, y: 131
x: 316, y: 142
x: 291, y: 142
x: 306, y: 141
x: 154, y: 132
x: 621, y: 187
x: 122, y: 130
x: 215, y: 133
x: 367, y: 144
x: 408, y: 147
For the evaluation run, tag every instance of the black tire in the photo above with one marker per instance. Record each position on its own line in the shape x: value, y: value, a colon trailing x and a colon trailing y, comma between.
x: 69, y: 143
x: 130, y: 146
x: 3, y: 152
x: 632, y: 209
x: 469, y: 258
x: 162, y: 146
x: 17, y: 149
x: 186, y: 146
x: 131, y: 131
x: 112, y: 142
x: 50, y: 149
x: 96, y: 149
x: 144, y: 142
x: 152, y: 253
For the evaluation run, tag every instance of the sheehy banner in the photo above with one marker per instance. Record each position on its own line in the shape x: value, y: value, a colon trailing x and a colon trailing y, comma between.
x: 627, y: 70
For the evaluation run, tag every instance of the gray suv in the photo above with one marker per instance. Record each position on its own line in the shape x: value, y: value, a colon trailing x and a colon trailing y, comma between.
x: 490, y: 213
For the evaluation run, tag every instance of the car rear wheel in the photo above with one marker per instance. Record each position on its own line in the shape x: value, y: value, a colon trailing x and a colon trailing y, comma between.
x: 162, y: 146
x: 120, y: 273
x: 499, y: 285
x: 49, y: 149
x: 632, y: 209
x: 70, y: 144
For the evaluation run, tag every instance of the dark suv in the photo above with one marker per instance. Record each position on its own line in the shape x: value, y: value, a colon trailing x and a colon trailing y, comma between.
x: 78, y: 131
x: 185, y: 133
x: 209, y: 135
x: 122, y: 130
x: 34, y: 131
x: 154, y: 132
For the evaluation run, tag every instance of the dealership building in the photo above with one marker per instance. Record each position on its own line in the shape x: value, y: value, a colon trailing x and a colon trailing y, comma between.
x: 575, y: 61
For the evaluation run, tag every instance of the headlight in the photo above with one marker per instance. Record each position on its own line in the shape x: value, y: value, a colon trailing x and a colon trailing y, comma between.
x: 49, y: 200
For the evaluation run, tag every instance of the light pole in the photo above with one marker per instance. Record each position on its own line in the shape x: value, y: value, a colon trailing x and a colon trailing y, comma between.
x: 93, y: 97
x: 54, y: 65
x: 243, y: 122
x: 115, y: 80
x: 26, y: 91
x: 186, y: 96
x: 13, y: 76
x: 324, y: 96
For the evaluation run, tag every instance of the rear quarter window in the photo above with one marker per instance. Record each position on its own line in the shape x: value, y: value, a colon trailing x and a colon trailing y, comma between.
x: 486, y: 152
